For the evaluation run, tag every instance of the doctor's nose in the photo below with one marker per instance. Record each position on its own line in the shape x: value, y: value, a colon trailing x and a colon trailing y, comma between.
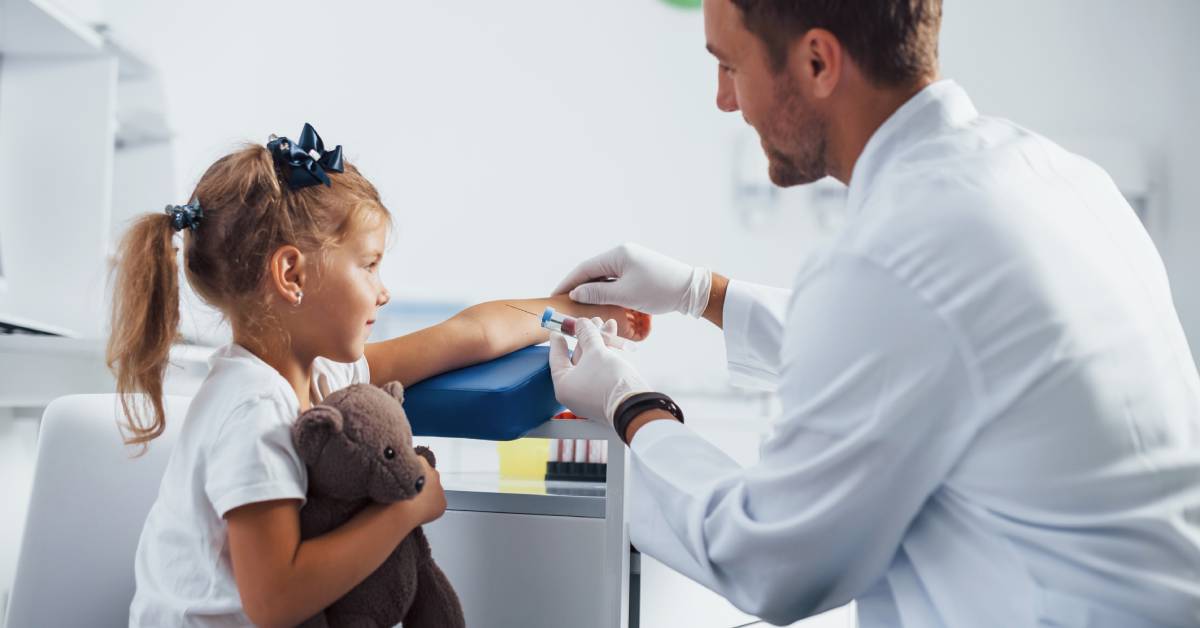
x: 726, y: 94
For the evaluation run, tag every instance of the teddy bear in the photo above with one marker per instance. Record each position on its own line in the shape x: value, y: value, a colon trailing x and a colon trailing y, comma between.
x: 357, y: 446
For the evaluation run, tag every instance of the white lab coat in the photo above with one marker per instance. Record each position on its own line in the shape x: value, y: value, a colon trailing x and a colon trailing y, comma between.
x: 991, y: 416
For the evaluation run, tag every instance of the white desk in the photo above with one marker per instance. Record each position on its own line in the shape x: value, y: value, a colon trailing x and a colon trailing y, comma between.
x: 521, y: 555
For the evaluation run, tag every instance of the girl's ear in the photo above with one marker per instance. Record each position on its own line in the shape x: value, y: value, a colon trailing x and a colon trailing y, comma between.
x: 395, y: 389
x: 313, y: 430
x: 287, y: 272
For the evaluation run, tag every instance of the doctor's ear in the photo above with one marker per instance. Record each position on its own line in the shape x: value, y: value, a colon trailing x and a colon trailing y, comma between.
x: 818, y: 58
x: 287, y: 272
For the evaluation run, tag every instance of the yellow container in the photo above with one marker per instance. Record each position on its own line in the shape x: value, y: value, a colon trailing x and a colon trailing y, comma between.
x: 524, y: 458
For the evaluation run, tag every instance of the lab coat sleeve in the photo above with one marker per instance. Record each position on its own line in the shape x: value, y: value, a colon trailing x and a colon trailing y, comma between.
x: 878, y: 403
x: 753, y: 321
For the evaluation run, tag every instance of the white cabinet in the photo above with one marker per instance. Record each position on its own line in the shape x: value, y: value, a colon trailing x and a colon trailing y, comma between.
x: 62, y: 89
x: 535, y: 553
x: 57, y: 105
x: 533, y: 571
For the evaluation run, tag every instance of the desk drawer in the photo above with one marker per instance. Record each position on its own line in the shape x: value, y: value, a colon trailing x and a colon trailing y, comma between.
x: 521, y: 570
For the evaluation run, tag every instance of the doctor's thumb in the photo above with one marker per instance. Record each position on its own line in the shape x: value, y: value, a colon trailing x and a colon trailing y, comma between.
x: 595, y: 293
x: 560, y: 356
x: 588, y: 335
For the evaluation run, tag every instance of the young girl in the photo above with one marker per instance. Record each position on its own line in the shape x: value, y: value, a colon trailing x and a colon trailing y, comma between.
x: 286, y: 241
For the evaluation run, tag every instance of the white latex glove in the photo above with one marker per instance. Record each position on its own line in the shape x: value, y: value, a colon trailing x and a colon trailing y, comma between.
x: 643, y: 280
x: 596, y: 379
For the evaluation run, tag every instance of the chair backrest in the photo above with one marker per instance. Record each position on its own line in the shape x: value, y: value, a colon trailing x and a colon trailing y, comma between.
x: 90, y: 498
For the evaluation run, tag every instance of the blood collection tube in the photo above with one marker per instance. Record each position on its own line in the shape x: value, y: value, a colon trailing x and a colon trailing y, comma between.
x: 557, y: 321
x: 595, y: 452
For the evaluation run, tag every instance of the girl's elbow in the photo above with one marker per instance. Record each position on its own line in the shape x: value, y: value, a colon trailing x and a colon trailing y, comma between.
x: 267, y: 618
x: 257, y: 614
x: 477, y: 339
x: 267, y: 611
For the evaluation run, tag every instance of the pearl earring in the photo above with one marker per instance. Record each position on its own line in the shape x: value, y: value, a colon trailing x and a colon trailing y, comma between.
x: 299, y: 298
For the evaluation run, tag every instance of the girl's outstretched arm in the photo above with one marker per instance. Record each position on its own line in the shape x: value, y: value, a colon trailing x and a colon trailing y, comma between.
x: 483, y: 332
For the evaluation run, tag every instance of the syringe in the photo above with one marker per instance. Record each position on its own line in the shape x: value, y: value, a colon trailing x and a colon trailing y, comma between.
x: 557, y: 321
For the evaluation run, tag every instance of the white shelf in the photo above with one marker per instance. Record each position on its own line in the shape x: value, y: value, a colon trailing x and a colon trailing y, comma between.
x: 37, y: 27
x: 39, y: 369
x: 35, y: 325
x: 571, y: 428
x: 488, y: 492
x: 68, y: 89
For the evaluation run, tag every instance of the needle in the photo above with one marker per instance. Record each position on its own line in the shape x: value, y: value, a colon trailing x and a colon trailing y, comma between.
x: 517, y: 308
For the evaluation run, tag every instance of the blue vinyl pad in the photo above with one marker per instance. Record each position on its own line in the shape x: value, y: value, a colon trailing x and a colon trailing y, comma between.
x: 497, y: 400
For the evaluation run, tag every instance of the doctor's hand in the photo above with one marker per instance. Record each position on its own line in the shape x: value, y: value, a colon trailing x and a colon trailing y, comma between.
x: 596, y: 379
x: 636, y: 277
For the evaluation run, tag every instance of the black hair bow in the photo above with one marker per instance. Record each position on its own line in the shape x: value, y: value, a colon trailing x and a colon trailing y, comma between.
x: 185, y: 216
x: 305, y: 163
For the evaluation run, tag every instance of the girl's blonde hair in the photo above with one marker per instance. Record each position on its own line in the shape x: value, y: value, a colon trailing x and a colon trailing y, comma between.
x: 248, y: 212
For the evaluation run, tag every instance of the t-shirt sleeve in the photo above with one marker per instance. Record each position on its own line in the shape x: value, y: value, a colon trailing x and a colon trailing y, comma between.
x: 329, y: 376
x: 252, y: 458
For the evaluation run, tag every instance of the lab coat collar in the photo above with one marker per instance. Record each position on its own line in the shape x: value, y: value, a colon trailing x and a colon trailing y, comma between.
x: 940, y: 105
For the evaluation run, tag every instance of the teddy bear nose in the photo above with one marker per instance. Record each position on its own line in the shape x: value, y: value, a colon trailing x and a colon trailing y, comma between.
x: 420, y: 483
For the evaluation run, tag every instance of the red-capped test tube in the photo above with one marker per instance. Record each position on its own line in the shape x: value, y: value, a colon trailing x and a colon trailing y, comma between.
x: 557, y: 321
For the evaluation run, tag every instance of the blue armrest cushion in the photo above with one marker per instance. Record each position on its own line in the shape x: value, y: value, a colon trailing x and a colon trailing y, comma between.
x: 497, y: 400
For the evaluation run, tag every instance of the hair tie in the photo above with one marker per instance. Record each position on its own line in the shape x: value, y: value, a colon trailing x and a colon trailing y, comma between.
x: 185, y: 216
x: 304, y: 163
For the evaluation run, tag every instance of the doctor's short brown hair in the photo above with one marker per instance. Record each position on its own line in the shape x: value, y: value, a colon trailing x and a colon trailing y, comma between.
x: 895, y: 42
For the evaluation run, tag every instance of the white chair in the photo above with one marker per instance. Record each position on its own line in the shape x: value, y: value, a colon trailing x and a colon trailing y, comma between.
x: 89, y: 501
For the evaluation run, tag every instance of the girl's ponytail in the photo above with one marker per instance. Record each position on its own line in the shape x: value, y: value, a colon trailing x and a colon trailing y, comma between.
x: 145, y: 322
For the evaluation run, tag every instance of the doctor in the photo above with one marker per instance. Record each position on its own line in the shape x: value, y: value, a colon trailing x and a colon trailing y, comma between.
x: 991, y: 416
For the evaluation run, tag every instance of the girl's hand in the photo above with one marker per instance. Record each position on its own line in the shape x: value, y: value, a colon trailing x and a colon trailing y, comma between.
x: 430, y: 503
x: 631, y: 324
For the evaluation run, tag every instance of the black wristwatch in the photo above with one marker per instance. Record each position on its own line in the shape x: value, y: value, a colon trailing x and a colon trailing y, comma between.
x: 634, y: 405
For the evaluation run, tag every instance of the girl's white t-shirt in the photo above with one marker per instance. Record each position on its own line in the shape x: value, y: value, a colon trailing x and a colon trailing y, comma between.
x: 234, y: 448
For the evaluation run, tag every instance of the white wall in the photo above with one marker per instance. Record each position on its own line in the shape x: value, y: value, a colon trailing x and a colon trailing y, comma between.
x: 1079, y: 69
x: 511, y: 139
x: 508, y: 140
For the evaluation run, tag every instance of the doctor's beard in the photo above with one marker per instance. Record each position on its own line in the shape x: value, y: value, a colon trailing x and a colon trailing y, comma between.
x: 797, y: 140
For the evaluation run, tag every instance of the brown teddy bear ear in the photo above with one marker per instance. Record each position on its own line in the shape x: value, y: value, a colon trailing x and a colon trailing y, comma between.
x: 395, y: 389
x: 427, y: 454
x: 313, y: 429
